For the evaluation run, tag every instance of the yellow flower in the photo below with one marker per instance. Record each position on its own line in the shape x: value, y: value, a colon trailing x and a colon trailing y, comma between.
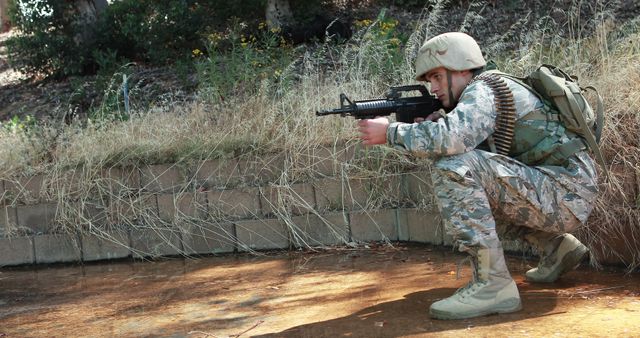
x: 215, y: 37
x: 283, y: 42
x: 196, y: 52
x: 362, y: 23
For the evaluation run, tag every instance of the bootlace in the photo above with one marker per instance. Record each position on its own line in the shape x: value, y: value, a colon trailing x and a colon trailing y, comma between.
x: 548, y: 260
x: 474, y: 283
x: 470, y: 288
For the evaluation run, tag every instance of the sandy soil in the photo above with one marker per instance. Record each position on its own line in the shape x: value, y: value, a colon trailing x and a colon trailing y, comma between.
x: 383, y: 292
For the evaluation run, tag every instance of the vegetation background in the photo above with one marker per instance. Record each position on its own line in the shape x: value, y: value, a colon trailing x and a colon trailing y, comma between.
x: 181, y: 80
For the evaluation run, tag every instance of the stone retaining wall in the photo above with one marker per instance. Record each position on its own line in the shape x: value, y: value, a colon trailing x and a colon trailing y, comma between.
x: 212, y: 206
x: 217, y: 206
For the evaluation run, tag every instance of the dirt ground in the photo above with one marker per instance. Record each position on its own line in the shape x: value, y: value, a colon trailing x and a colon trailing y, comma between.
x: 377, y: 292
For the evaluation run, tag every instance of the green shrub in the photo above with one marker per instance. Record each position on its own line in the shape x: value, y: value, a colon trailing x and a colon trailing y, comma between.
x: 55, y: 40
x: 152, y: 31
x: 242, y: 60
x: 377, y: 50
x: 47, y: 43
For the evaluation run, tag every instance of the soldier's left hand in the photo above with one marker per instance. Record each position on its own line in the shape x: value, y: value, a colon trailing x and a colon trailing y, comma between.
x: 373, y: 131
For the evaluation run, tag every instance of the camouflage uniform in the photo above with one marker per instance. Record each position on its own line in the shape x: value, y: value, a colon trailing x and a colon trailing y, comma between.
x: 478, y: 189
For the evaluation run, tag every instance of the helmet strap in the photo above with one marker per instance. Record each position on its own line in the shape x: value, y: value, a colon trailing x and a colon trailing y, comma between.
x: 453, y: 101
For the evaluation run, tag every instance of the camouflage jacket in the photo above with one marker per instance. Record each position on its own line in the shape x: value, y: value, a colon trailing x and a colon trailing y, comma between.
x: 473, y: 120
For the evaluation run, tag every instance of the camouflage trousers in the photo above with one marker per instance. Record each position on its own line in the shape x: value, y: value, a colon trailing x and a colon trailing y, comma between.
x: 478, y: 191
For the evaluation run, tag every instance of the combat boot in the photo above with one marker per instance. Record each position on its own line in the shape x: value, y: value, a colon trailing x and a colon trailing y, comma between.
x: 558, y: 254
x: 492, y: 290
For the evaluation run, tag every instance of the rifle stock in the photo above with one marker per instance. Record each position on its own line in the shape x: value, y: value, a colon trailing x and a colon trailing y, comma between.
x: 405, y: 108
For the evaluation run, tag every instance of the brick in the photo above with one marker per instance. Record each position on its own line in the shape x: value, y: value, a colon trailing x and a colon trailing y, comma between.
x: 8, y: 220
x: 107, y: 245
x: 131, y: 209
x: 38, y: 218
x: 417, y: 225
x: 262, y: 170
x: 72, y: 184
x: 234, y: 203
x: 85, y: 214
x: 4, y: 197
x: 217, y: 173
x: 312, y: 230
x: 374, y: 225
x: 347, y: 152
x: 323, y: 161
x: 120, y: 180
x: 94, y: 213
x: 173, y: 206
x: 56, y: 248
x: 329, y: 194
x: 25, y: 189
x: 16, y: 251
x: 313, y: 162
x: 417, y: 188
x: 356, y: 194
x: 295, y: 199
x: 156, y: 242
x: 403, y: 225
x: 352, y: 194
x: 209, y: 238
x: 371, y: 158
x: 384, y: 191
x: 162, y: 178
x: 261, y: 234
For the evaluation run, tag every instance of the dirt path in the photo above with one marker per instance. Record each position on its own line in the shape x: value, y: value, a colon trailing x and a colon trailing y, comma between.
x: 365, y: 293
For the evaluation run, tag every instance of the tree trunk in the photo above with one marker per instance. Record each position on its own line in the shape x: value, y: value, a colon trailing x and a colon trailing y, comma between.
x: 278, y: 14
x: 5, y: 23
x: 90, y: 9
x: 88, y: 12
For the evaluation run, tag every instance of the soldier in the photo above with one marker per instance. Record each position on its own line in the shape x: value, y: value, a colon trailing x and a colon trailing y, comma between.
x: 478, y: 189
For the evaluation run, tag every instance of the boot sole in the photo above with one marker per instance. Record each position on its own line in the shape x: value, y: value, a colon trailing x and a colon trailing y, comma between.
x: 570, y: 261
x: 506, y: 306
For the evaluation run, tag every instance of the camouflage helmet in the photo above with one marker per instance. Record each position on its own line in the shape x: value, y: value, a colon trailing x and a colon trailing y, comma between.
x: 453, y: 51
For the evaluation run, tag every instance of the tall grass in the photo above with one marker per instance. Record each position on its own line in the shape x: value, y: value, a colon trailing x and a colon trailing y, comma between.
x: 277, y: 118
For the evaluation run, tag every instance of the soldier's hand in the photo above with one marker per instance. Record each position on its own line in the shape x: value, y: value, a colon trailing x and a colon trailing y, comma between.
x: 432, y: 117
x: 373, y: 131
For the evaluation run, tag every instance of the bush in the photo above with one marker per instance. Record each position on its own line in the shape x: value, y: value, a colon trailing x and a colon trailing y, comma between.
x: 242, y: 60
x: 152, y: 31
x: 55, y: 40
x: 48, y: 40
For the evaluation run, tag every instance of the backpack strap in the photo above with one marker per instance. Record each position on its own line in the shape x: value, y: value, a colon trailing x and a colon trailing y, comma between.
x: 563, y: 98
x: 599, y: 114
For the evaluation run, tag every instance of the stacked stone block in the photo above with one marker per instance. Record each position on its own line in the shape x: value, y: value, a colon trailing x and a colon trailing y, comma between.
x: 210, y: 207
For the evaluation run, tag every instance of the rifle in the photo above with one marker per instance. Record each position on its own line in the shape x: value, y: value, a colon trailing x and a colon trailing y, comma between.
x: 405, y: 108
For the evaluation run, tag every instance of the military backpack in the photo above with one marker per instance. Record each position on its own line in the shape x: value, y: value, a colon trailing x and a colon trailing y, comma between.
x: 564, y: 96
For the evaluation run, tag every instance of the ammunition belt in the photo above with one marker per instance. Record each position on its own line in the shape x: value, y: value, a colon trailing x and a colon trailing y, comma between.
x: 506, y: 111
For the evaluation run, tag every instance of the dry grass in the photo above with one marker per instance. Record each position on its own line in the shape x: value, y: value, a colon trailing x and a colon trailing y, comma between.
x: 281, y: 121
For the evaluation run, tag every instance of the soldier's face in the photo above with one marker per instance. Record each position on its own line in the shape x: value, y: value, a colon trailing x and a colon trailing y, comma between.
x: 440, y: 84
